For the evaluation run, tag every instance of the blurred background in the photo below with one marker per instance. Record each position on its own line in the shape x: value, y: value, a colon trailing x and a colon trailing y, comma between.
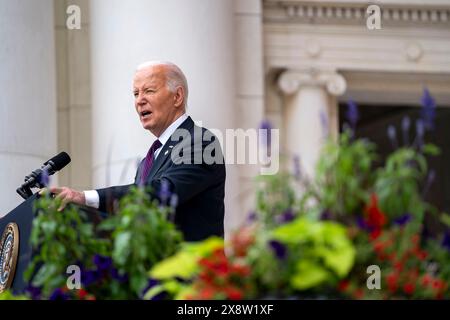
x: 294, y: 63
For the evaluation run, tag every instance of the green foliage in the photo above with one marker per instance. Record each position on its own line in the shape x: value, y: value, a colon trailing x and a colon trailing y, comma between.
x: 397, y: 183
x: 274, y: 196
x: 324, y: 252
x: 344, y: 172
x: 8, y: 295
x: 136, y: 237
x: 142, y: 235
x: 60, y: 239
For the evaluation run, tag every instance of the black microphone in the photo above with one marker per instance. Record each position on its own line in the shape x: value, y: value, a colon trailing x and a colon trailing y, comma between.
x: 34, y: 178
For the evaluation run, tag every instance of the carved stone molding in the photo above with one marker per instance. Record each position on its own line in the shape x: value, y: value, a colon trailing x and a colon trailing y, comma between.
x: 299, y: 11
x: 292, y: 80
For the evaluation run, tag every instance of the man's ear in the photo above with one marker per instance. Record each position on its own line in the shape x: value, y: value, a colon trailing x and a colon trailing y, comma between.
x: 179, y: 96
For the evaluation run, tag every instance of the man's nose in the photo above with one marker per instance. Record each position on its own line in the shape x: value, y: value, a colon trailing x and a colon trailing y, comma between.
x: 140, y: 99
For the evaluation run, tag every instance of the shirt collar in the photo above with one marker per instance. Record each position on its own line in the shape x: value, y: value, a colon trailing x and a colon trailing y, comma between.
x: 171, y: 129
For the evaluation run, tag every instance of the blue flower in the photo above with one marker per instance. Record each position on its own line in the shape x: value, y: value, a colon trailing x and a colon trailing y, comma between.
x: 278, y: 248
x: 429, y: 109
x: 402, y: 220
x: 58, y: 294
x: 352, y: 113
x: 102, y: 263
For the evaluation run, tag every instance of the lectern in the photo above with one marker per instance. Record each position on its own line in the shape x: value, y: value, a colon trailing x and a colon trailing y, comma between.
x: 15, y: 248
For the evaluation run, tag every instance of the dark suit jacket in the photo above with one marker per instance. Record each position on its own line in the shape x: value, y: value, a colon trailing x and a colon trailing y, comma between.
x: 200, y: 187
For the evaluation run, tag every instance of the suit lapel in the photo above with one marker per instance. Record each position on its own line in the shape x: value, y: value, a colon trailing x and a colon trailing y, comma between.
x: 166, y: 151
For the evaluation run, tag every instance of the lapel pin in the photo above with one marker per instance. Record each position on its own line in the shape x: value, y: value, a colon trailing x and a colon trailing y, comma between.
x: 167, y: 151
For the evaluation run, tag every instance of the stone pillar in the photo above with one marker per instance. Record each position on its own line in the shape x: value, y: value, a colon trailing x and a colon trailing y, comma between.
x: 197, y: 35
x: 250, y: 92
x: 28, y: 94
x: 309, y: 113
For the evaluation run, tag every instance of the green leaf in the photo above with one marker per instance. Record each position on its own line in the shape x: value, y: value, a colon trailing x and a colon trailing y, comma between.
x: 308, y: 275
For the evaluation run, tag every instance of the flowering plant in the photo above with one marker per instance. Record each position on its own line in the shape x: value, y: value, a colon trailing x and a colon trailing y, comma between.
x: 113, y: 256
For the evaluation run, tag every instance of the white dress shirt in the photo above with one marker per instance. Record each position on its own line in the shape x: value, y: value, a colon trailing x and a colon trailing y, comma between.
x: 92, y: 197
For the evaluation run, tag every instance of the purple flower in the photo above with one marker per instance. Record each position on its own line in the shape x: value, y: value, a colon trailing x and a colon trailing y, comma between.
x: 402, y: 220
x: 150, y: 284
x: 278, y: 248
x: 420, y: 130
x: 446, y: 240
x: 430, y: 179
x: 265, y: 129
x: 392, y: 134
x: 285, y: 217
x: 164, y: 191
x: 58, y: 294
x: 324, y: 123
x: 34, y: 292
x: 102, y: 263
x: 363, y: 225
x: 429, y: 109
x: 297, y: 170
x: 352, y: 113
x: 44, y: 178
x: 252, y: 217
x: 121, y: 278
x: 89, y: 277
x: 406, y: 123
x: 325, y: 215
x: 173, y: 201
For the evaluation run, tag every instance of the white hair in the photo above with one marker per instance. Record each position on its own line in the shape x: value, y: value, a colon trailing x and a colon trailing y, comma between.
x: 174, y: 76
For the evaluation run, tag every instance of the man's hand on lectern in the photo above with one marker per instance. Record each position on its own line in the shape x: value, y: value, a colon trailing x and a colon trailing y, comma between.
x: 66, y: 195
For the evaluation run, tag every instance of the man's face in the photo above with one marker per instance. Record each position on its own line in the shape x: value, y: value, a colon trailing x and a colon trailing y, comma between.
x: 154, y: 103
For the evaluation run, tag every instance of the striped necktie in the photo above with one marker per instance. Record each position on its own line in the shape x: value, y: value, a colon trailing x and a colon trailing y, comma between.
x: 148, y: 162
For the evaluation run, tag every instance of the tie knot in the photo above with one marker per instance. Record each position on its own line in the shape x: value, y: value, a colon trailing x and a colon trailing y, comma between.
x: 156, y: 145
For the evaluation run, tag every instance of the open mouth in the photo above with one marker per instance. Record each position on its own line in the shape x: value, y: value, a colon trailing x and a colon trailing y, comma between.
x: 145, y: 114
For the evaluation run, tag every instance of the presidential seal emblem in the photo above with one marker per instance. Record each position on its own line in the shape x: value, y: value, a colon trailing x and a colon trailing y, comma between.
x: 9, y: 250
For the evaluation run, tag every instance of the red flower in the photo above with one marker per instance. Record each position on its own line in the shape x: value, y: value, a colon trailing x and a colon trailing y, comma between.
x: 207, y: 293
x: 82, y: 293
x: 358, y: 293
x: 233, y: 293
x: 426, y: 280
x: 375, y: 217
x: 343, y: 285
x: 409, y: 288
x: 375, y: 234
x: 392, y: 281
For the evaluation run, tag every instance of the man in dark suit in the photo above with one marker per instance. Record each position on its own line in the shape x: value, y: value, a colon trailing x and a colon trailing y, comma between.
x: 185, y: 159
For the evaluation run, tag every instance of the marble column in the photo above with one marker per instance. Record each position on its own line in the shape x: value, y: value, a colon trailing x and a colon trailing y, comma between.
x: 309, y: 114
x: 250, y: 93
x: 198, y: 36
x: 28, y: 94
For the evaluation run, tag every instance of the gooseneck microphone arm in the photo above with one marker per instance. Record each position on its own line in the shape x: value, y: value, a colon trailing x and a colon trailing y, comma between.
x: 34, y: 179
